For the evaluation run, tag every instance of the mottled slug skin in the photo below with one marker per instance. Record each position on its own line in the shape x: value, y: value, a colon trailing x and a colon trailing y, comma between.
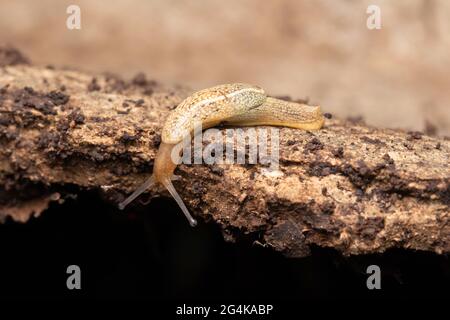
x: 276, y: 112
x: 210, y: 107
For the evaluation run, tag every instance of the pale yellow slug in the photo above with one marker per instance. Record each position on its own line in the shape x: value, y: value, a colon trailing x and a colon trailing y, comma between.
x: 231, y: 104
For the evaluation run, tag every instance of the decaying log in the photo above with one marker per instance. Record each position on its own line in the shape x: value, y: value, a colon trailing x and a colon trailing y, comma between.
x: 351, y: 187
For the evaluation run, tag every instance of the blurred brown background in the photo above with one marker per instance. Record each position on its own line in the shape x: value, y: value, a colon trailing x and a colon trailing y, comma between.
x: 398, y: 76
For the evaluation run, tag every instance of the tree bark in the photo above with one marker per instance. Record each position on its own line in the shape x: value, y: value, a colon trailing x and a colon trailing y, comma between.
x: 349, y: 186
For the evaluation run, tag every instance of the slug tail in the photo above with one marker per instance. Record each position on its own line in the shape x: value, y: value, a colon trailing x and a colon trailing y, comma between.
x: 169, y: 186
x: 147, y: 184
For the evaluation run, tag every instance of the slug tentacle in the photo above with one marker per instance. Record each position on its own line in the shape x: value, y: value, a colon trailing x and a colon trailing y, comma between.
x: 162, y: 173
x: 141, y: 189
x: 169, y: 186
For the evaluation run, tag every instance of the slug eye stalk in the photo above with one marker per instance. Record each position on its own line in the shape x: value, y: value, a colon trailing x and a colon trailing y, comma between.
x: 162, y: 173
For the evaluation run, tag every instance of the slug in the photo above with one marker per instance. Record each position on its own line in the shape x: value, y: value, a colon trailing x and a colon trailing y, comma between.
x: 235, y: 104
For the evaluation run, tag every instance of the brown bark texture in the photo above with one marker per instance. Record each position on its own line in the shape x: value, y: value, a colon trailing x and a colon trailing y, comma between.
x: 348, y: 186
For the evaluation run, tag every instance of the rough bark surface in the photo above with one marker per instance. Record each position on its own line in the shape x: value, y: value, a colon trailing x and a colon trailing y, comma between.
x: 351, y: 187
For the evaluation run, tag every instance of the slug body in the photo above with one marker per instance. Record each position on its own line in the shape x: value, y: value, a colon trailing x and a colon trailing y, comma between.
x: 276, y: 112
x: 231, y: 104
